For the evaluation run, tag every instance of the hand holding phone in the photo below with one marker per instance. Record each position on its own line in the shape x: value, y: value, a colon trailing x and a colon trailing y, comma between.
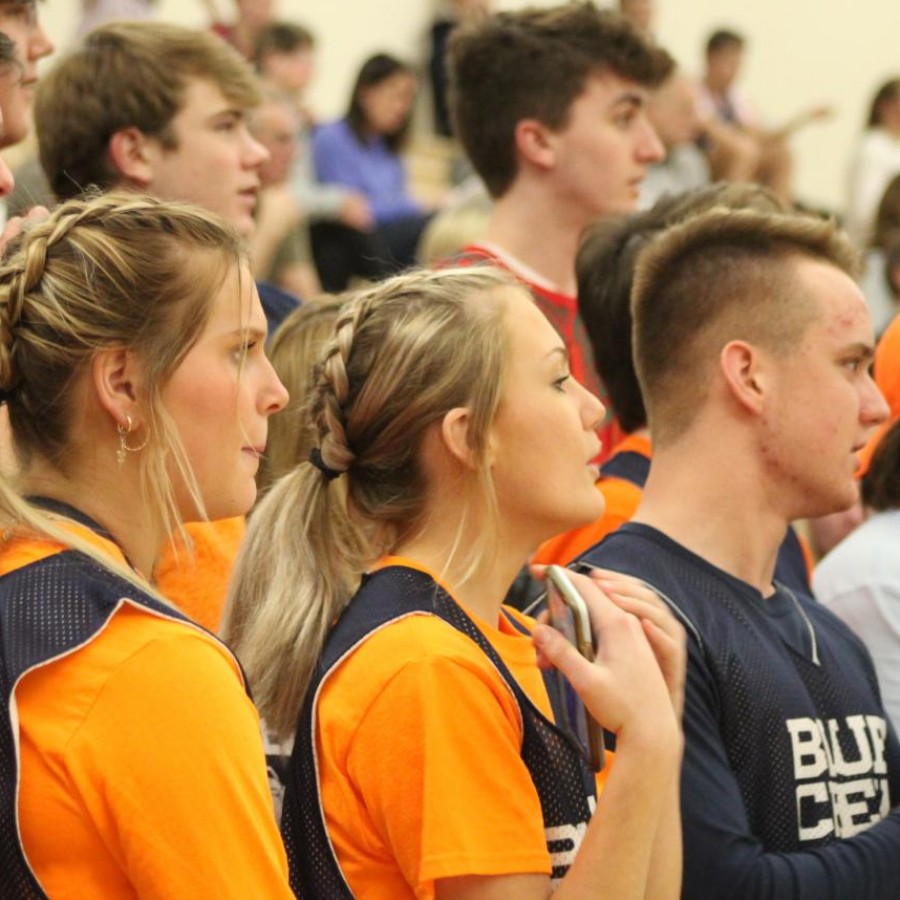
x: 569, y: 615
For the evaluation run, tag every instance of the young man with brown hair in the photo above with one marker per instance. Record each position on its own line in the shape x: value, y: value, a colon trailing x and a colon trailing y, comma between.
x: 752, y: 347
x: 162, y: 110
x: 157, y: 108
x: 549, y: 106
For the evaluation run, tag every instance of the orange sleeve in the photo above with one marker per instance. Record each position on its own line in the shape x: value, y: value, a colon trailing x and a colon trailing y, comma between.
x: 621, y: 500
x: 808, y: 556
x: 160, y: 789
x: 451, y: 800
x: 887, y: 366
x: 419, y: 742
x: 197, y: 583
x: 887, y: 377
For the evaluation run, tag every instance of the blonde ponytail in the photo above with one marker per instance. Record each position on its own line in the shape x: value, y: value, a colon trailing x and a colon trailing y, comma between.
x: 403, y: 354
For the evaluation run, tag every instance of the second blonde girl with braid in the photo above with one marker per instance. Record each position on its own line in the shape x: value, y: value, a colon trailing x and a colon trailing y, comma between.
x: 426, y: 762
x: 132, y: 367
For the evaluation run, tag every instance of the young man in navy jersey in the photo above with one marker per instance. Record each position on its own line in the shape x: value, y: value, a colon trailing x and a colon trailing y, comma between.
x: 752, y: 348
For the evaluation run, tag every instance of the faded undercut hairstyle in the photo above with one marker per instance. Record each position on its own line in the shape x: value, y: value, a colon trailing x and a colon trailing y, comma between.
x: 124, y: 75
x: 723, y: 275
x: 533, y: 64
x: 402, y: 355
x: 605, y: 271
x: 114, y: 271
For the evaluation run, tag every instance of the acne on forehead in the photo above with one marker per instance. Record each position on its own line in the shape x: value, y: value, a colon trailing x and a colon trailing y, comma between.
x: 842, y: 304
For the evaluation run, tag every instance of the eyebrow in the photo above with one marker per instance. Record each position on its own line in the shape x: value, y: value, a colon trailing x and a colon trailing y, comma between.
x: 561, y: 351
x: 230, y: 112
x: 861, y: 349
x: 630, y: 98
x: 251, y: 331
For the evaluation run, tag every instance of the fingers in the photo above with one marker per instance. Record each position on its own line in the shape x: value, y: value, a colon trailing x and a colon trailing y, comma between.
x: 624, y: 584
x: 672, y: 661
x: 664, y: 633
x: 634, y: 596
x: 653, y: 610
x: 557, y: 652
x: 622, y: 686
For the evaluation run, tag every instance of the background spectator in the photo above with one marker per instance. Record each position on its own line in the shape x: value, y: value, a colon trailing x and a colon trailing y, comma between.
x: 876, y: 161
x: 362, y: 152
x: 859, y: 580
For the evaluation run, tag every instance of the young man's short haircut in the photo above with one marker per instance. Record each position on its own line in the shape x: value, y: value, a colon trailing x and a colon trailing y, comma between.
x: 723, y: 39
x: 128, y: 74
x: 281, y: 37
x: 605, y: 269
x: 532, y: 64
x: 723, y: 275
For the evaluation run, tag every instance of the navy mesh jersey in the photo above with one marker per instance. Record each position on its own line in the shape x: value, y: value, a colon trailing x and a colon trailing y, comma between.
x: 791, y: 768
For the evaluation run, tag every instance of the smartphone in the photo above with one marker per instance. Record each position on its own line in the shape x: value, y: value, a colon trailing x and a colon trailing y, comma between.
x: 569, y: 616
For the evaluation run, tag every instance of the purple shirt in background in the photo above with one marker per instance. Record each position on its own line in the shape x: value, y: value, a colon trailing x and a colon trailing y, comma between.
x: 99, y: 12
x: 369, y: 168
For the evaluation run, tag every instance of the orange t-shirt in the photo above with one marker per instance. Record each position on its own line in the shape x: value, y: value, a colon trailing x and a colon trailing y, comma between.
x: 418, y: 739
x: 621, y: 499
x: 197, y: 581
x: 142, y: 770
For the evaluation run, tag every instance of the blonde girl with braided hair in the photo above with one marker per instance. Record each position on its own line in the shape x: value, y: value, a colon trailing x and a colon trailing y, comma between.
x: 132, y: 369
x: 427, y: 762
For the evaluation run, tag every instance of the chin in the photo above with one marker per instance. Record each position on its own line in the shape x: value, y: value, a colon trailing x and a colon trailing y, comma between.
x: 589, y: 513
x: 838, y: 503
x: 243, y: 224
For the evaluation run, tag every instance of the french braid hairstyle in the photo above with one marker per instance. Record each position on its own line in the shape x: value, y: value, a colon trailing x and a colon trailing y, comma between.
x: 112, y: 271
x: 403, y: 354
x: 293, y: 351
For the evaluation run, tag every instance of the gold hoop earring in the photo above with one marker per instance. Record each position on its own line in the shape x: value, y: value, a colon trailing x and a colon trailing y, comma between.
x: 124, y: 449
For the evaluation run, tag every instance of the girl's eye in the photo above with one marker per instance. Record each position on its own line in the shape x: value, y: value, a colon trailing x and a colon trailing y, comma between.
x: 243, y: 350
x: 560, y: 383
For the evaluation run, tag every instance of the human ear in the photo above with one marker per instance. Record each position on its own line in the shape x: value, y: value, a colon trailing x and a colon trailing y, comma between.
x: 115, y: 379
x: 745, y: 374
x: 535, y: 143
x: 131, y: 156
x: 455, y: 436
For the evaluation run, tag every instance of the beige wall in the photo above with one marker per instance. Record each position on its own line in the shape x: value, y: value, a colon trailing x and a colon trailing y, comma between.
x: 800, y: 52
